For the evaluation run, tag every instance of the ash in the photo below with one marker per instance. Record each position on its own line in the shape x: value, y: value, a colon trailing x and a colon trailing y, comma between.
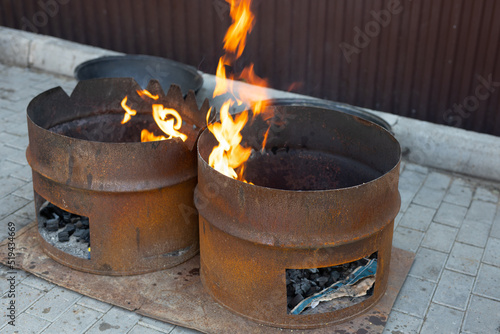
x: 65, y: 231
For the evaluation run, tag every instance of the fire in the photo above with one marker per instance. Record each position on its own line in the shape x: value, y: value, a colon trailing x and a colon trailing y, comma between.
x: 128, y: 111
x: 167, y: 119
x: 229, y: 156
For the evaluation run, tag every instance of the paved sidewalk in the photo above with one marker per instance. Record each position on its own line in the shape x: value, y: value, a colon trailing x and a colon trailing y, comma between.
x: 451, y: 222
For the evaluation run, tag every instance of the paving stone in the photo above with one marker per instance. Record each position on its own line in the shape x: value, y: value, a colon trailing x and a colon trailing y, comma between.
x: 464, y: 258
x: 428, y: 264
x: 75, y: 320
x: 492, y: 252
x: 495, y: 229
x: 23, y: 173
x: 440, y: 237
x: 10, y: 204
x: 429, y: 197
x: 18, y: 156
x: 18, y: 106
x: 25, y: 296
x: 450, y: 214
x: 6, y: 273
x: 407, y: 239
x: 26, y: 324
x: 94, y: 304
x: 488, y: 282
x: 437, y: 180
x: 401, y: 323
x: 417, y: 217
x: 486, y: 194
x: 474, y: 233
x: 412, y: 177
x: 163, y: 327
x: 9, y: 185
x: 18, y: 143
x: 407, y: 193
x: 17, y: 118
x: 459, y: 193
x: 25, y: 191
x: 19, y: 222
x: 138, y: 329
x: 117, y: 320
x: 416, y: 168
x: 434, y: 323
x: 38, y: 283
x: 182, y: 330
x: 454, y: 289
x: 415, y: 296
x: 481, y: 212
x: 7, y: 167
x: 52, y: 304
x: 21, y: 275
x: 398, y: 219
x: 482, y: 316
x: 26, y: 213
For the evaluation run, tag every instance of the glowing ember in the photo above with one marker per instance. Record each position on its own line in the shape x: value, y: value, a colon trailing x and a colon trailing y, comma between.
x: 167, y: 119
x: 229, y: 156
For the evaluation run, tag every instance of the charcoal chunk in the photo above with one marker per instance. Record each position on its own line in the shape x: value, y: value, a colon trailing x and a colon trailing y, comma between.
x: 63, y: 236
x: 321, y: 281
x: 84, y: 235
x: 85, y: 222
x: 58, y: 211
x: 302, y: 286
x: 52, y: 225
x: 47, y: 212
x: 297, y: 299
x: 70, y: 228
x: 66, y: 217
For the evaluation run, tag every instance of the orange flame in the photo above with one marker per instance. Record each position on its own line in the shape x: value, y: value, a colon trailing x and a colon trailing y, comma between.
x: 129, y: 112
x: 167, y: 119
x: 148, y: 94
x: 229, y: 155
x: 243, y: 21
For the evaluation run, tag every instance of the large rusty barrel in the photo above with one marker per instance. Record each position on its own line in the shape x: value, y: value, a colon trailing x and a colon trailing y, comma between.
x: 324, y: 193
x: 137, y: 195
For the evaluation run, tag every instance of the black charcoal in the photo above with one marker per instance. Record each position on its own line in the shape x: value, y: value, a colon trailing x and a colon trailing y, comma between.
x: 63, y: 236
x: 52, y: 225
x: 70, y: 228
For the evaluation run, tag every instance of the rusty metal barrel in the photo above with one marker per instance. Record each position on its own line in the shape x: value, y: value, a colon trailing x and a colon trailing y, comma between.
x: 138, y: 195
x: 325, y: 193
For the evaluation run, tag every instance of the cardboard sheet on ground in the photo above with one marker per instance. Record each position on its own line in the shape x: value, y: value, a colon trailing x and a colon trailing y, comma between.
x: 177, y: 296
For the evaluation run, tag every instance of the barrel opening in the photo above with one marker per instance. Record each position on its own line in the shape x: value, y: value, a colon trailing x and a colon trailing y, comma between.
x: 67, y: 231
x: 328, y: 289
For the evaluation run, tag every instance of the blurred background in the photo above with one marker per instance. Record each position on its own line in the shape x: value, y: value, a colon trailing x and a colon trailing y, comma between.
x: 431, y: 60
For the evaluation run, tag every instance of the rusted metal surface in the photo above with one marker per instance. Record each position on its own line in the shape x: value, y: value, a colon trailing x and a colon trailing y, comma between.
x: 135, y: 194
x: 250, y: 234
x: 177, y: 295
x: 426, y: 58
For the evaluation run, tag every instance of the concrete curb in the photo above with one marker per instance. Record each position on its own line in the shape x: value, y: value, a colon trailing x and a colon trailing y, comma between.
x: 433, y: 145
x: 45, y: 53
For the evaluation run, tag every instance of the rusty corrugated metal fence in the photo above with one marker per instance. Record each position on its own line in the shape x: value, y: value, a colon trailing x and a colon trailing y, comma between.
x: 432, y: 60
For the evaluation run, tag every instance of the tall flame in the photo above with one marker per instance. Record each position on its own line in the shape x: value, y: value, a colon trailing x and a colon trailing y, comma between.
x: 167, y: 119
x: 229, y: 156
